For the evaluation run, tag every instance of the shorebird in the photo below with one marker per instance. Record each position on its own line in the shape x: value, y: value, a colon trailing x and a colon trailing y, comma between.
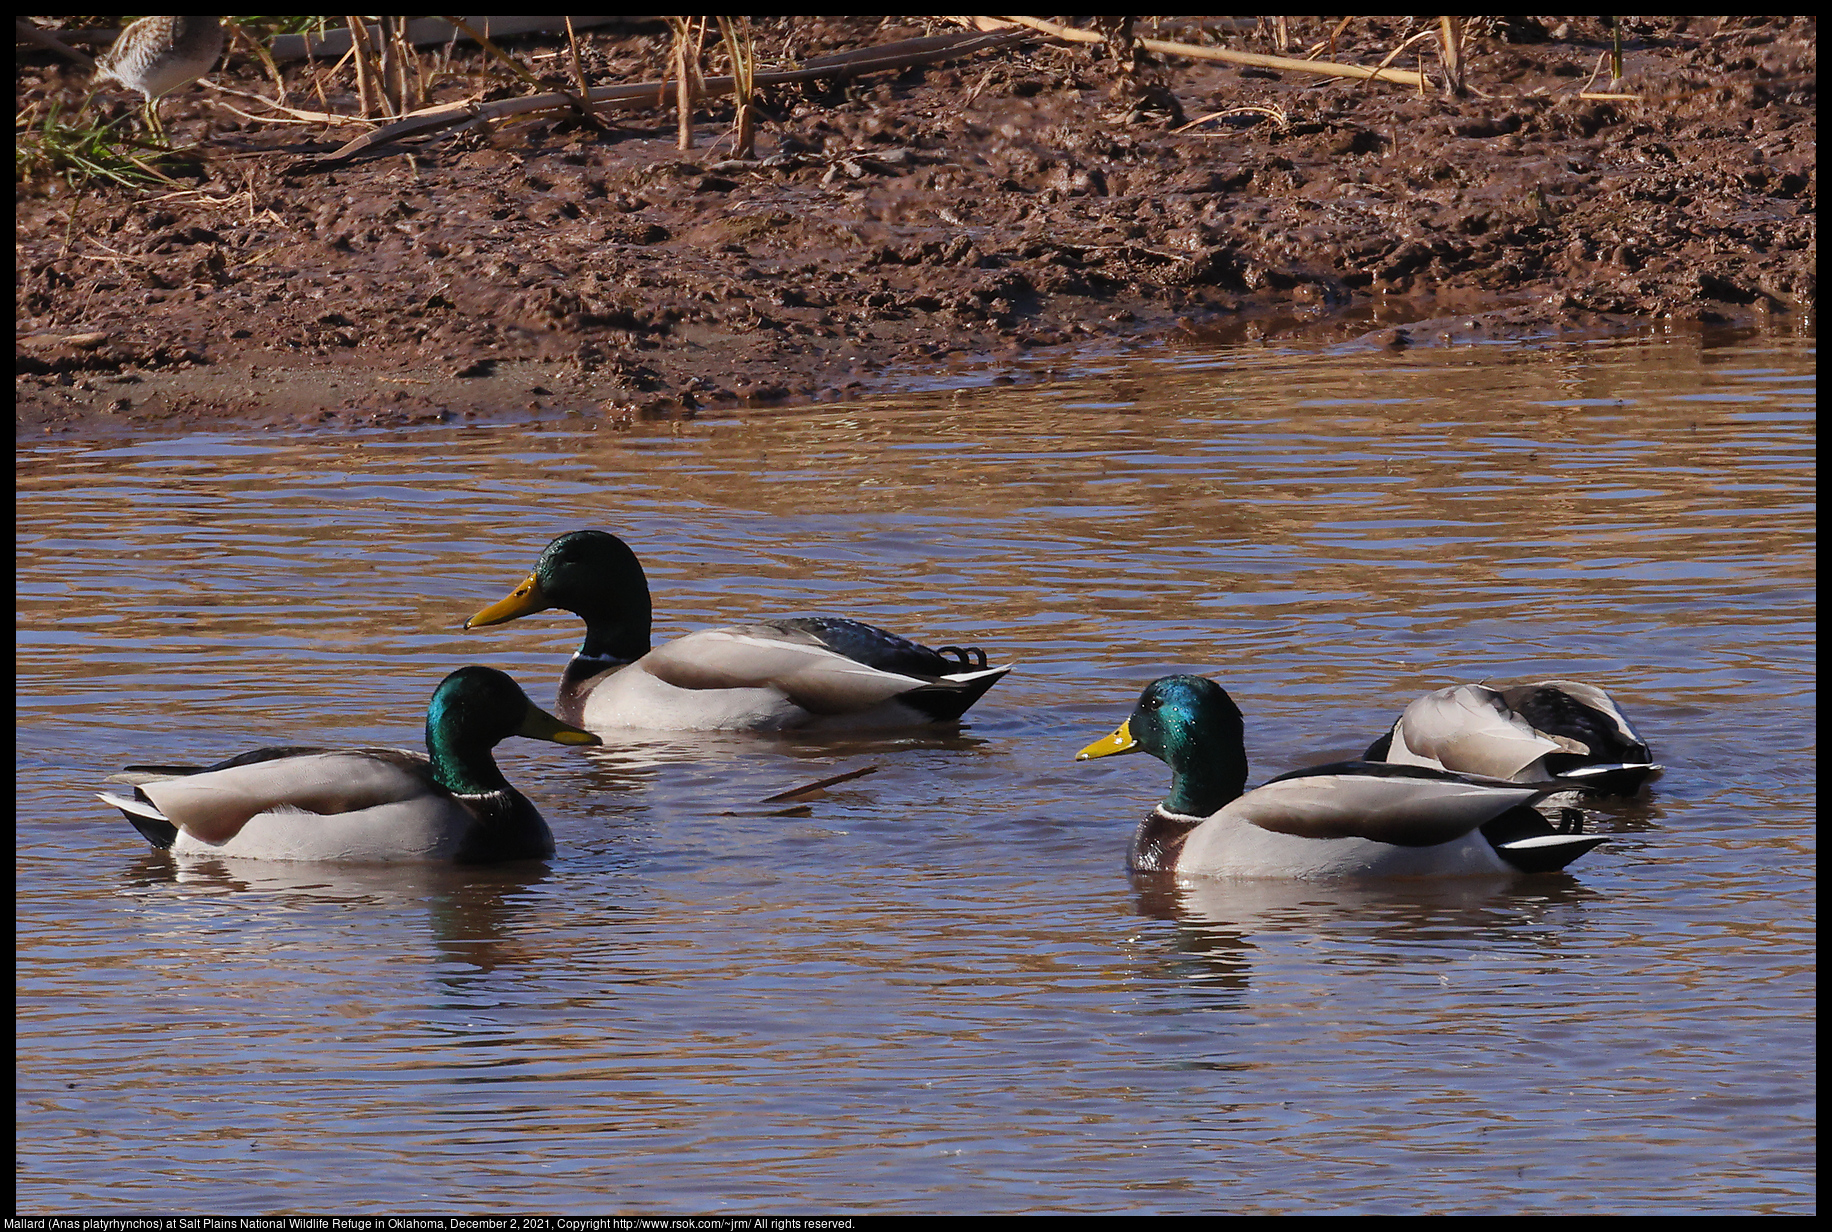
x: 157, y: 55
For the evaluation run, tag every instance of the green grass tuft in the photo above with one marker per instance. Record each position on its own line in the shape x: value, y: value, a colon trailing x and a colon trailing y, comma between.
x: 85, y: 150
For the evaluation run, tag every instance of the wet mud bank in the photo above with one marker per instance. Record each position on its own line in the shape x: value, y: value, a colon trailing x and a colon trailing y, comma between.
x: 917, y: 227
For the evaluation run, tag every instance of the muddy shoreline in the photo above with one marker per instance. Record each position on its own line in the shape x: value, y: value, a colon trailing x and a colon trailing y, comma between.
x: 983, y: 213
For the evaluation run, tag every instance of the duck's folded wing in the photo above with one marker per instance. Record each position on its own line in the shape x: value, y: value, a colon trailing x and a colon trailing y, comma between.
x: 812, y: 675
x: 1581, y: 713
x: 214, y: 806
x: 154, y: 774
x: 880, y: 648
x: 1403, y: 805
x: 1470, y: 729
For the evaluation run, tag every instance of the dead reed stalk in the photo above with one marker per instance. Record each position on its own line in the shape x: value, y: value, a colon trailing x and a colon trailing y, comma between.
x: 742, y: 49
x: 1191, y: 51
x: 689, y: 42
x: 362, y: 50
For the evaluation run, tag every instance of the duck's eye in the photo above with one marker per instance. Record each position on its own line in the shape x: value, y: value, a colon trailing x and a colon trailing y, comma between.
x: 1152, y: 703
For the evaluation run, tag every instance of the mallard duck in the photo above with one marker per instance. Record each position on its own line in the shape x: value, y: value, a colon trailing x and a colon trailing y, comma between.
x: 763, y: 675
x: 1528, y: 732
x: 363, y: 805
x: 1347, y: 819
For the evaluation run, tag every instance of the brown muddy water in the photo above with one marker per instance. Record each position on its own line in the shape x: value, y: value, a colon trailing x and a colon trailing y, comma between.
x: 939, y: 990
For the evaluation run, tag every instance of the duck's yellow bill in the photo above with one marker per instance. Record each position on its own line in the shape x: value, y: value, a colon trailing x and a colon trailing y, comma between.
x: 1120, y: 741
x: 537, y: 724
x: 522, y: 601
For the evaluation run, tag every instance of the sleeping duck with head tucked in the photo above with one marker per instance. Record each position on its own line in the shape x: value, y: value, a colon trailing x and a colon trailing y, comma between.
x: 1526, y: 732
x: 806, y: 672
x: 1347, y: 819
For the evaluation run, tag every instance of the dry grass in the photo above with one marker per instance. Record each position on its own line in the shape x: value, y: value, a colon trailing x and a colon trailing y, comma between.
x: 741, y: 49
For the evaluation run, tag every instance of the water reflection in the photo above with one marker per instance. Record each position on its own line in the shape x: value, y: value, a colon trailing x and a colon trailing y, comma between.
x: 934, y: 985
x: 1222, y: 925
x: 476, y: 917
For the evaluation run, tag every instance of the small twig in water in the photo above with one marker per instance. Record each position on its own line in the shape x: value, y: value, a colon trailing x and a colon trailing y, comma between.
x: 810, y: 788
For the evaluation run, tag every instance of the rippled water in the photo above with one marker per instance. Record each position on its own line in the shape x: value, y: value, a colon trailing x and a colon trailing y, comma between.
x: 939, y: 990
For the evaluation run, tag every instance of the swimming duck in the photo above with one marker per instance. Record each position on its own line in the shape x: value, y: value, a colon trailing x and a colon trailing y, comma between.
x: 763, y: 675
x: 1347, y: 819
x: 1526, y: 732
x: 363, y: 805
